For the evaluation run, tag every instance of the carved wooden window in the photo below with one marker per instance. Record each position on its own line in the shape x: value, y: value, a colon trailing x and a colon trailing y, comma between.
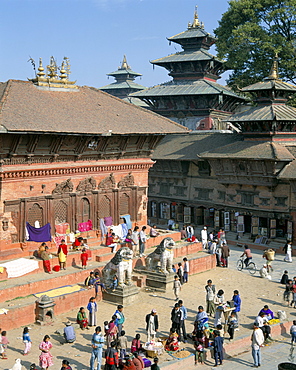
x: 85, y: 209
x: 35, y: 213
x: 60, y: 212
x: 124, y: 204
x: 104, y: 207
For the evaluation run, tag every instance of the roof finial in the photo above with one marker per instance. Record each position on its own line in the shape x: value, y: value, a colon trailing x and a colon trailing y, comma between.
x: 41, y: 73
x: 195, y: 20
x: 63, y: 75
x: 274, y: 71
x: 124, y: 64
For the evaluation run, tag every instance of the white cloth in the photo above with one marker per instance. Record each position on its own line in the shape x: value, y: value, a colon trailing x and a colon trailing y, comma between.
x: 135, y: 237
x: 117, y: 231
x: 143, y: 236
x: 204, y: 235
x: 20, y: 267
x: 257, y: 338
x: 186, y: 266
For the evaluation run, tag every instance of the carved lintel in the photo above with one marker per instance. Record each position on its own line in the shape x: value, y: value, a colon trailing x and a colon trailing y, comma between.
x: 127, y: 181
x: 107, y: 183
x: 63, y: 187
x: 87, y: 185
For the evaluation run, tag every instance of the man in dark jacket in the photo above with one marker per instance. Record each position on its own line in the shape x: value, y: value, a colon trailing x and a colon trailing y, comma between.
x: 176, y: 317
x: 151, y: 325
x: 218, y: 348
x: 111, y: 356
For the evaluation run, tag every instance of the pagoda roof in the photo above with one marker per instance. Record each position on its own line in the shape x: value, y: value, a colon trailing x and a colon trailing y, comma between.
x: 269, y: 112
x: 187, y: 87
x: 191, y: 33
x: 186, y: 56
x: 261, y: 150
x: 123, y: 85
x: 288, y: 172
x: 27, y: 108
x: 270, y: 84
x: 122, y: 72
x: 188, y: 146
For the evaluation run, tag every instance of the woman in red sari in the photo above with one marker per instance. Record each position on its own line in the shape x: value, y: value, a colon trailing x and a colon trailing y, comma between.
x: 112, y: 331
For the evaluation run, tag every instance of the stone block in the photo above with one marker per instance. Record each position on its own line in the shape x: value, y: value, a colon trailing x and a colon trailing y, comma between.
x: 125, y: 295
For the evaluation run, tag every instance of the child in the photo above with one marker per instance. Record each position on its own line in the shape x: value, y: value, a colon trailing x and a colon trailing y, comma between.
x: 106, y: 327
x: 177, y: 287
x: 175, y: 271
x: 89, y: 281
x: 4, y: 342
x: 26, y: 340
x: 293, y: 332
x: 180, y: 272
x: 285, y: 278
x: 97, y: 282
x: 66, y: 365
x: 232, y: 324
x: 199, y: 353
x: 114, y: 283
x: 288, y: 291
x: 221, y: 330
x: 155, y: 365
x: 84, y: 258
x: 122, y: 344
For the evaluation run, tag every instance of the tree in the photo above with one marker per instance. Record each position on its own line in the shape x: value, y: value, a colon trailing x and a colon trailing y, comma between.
x: 251, y: 32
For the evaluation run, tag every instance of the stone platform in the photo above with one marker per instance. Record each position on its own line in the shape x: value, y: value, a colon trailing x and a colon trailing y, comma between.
x: 122, y: 295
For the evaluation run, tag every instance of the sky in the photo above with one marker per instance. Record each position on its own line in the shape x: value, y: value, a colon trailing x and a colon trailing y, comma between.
x: 95, y: 34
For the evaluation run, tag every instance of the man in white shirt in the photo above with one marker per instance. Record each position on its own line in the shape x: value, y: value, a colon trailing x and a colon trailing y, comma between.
x: 257, y: 342
x: 142, y: 241
x: 185, y: 270
x: 204, y: 237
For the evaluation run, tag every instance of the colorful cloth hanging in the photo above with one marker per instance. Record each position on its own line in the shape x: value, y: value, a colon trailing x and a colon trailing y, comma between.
x: 85, y: 226
x: 39, y: 235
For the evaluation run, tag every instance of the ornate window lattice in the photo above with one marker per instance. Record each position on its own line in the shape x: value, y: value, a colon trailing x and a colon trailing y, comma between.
x: 60, y: 212
x: 85, y: 209
x: 35, y: 213
x: 124, y: 204
x: 104, y: 207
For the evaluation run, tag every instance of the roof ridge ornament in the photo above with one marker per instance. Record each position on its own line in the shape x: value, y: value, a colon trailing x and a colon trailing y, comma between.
x: 196, y: 23
x: 274, y: 71
x: 124, y: 64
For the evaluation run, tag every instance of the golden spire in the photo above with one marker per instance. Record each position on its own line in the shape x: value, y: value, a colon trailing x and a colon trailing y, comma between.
x: 52, y: 68
x: 124, y: 64
x: 274, y: 71
x: 195, y: 23
x: 63, y: 75
x: 40, y: 74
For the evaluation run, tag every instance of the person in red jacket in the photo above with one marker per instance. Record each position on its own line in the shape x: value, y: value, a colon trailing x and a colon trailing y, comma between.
x: 84, y: 258
x: 111, y: 356
x: 62, y: 254
x: 128, y: 365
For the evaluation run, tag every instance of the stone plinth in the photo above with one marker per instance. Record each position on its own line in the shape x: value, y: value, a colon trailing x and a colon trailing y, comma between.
x: 159, y: 281
x: 45, y: 309
x: 122, y: 295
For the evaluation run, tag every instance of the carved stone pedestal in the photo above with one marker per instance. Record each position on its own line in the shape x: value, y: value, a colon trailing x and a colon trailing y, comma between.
x: 122, y: 295
x: 159, y: 281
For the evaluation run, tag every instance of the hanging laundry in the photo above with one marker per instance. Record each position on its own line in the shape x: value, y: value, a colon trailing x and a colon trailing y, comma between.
x: 117, y: 231
x: 108, y: 221
x: 85, y: 226
x: 40, y: 235
x: 127, y: 220
x: 62, y: 228
x: 20, y: 267
x: 103, y: 228
x: 58, y: 240
x: 124, y: 230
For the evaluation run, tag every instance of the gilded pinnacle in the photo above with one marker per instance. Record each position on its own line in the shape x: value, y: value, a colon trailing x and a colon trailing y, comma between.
x: 274, y: 71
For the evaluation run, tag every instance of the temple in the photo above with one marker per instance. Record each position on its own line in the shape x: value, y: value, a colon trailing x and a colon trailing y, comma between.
x: 124, y: 84
x: 244, y: 182
x: 193, y: 98
x: 71, y: 154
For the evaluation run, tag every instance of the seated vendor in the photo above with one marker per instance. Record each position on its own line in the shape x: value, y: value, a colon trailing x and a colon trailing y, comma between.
x: 172, y: 343
x: 77, y: 244
x: 137, y: 345
x: 269, y: 314
x: 153, y: 232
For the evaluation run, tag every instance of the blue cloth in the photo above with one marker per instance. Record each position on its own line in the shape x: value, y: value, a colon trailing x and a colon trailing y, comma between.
x: 256, y: 354
x: 184, y: 311
x: 41, y: 234
x: 237, y: 303
x: 89, y: 306
x: 69, y: 333
x: 127, y: 220
x: 26, y: 337
x: 103, y: 227
x: 124, y: 230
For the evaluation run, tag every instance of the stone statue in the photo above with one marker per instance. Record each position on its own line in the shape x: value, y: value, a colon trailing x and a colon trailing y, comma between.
x: 121, y: 265
x: 164, y: 255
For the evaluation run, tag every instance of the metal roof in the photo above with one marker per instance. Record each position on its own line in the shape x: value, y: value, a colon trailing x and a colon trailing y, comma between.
x: 191, y: 33
x: 187, y: 87
x: 269, y: 85
x: 124, y: 72
x: 187, y: 56
x: 270, y: 112
x: 123, y: 85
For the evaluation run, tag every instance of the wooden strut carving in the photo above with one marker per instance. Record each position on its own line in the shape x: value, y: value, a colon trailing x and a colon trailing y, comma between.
x: 108, y: 183
x: 88, y: 184
x: 63, y: 187
x: 127, y: 181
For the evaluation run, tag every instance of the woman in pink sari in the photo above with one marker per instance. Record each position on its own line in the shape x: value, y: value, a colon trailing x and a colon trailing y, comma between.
x: 111, y: 333
x: 45, y: 358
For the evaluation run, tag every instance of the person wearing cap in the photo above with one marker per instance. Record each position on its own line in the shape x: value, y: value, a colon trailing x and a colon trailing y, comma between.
x: 204, y: 237
x: 151, y: 325
x: 69, y: 333
x: 97, y: 343
x: 155, y: 366
x: 257, y: 339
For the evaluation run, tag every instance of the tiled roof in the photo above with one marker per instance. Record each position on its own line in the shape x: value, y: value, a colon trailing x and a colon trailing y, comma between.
x: 189, y: 146
x: 269, y: 84
x: 250, y: 150
x: 270, y: 112
x: 186, y: 56
x: 191, y: 33
x: 187, y: 87
x: 28, y: 108
x: 289, y: 171
x: 123, y: 85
